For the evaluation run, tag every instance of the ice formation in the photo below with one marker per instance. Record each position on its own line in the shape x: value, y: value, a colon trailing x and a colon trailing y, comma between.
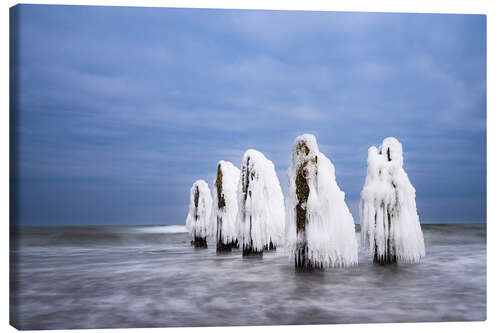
x: 200, y: 207
x: 319, y: 229
x: 225, y: 206
x: 390, y: 226
x: 261, y: 213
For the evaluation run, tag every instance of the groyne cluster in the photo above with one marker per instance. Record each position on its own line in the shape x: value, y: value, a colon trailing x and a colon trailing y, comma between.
x: 315, y: 226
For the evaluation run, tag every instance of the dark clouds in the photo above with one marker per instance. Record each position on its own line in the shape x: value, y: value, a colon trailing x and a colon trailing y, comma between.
x: 121, y: 109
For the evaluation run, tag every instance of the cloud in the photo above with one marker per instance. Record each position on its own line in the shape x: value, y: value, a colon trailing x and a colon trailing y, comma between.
x: 130, y: 105
x: 375, y: 71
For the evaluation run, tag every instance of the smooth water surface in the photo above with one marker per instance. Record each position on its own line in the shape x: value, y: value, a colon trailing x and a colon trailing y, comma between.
x: 109, y: 277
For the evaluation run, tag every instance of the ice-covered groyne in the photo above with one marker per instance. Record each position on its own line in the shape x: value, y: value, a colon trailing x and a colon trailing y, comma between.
x: 225, y: 206
x: 390, y: 226
x: 200, y: 207
x: 319, y: 229
x: 261, y: 213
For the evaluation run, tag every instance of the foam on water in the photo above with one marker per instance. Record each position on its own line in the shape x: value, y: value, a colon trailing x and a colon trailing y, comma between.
x: 165, y: 229
x: 160, y: 281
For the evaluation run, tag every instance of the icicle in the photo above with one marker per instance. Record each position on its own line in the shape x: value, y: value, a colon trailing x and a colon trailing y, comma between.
x: 198, y: 219
x: 225, y: 207
x: 261, y: 213
x: 319, y: 229
x: 390, y: 226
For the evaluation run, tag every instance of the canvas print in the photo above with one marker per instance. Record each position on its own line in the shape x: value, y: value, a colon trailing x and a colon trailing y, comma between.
x: 223, y: 167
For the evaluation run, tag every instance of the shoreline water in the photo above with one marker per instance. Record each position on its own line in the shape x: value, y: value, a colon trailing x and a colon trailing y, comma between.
x: 127, y: 276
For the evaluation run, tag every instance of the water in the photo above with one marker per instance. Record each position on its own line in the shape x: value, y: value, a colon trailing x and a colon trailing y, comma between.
x: 111, y: 277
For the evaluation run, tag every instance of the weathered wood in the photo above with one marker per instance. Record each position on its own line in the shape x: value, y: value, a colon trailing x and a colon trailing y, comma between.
x: 196, y: 200
x: 248, y: 249
x: 200, y: 242
x: 221, y: 202
x: 302, y: 191
x: 389, y: 255
x: 221, y: 245
x: 270, y: 247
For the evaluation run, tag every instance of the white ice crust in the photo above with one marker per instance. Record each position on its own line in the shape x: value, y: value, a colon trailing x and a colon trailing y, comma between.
x: 387, y: 196
x: 261, y: 216
x: 330, y: 232
x: 198, y: 220
x: 227, y: 214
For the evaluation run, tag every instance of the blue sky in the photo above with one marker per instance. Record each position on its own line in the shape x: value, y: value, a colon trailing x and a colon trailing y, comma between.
x: 121, y: 109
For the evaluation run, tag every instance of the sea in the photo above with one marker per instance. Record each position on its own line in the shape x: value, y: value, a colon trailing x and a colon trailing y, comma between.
x: 150, y: 276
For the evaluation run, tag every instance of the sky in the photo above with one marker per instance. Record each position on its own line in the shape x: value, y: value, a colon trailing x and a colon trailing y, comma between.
x: 116, y: 111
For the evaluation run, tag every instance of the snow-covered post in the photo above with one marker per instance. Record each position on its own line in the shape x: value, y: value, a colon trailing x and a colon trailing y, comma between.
x: 225, y: 207
x: 390, y: 226
x: 261, y: 213
x: 320, y: 229
x: 308, y: 163
x: 198, y: 219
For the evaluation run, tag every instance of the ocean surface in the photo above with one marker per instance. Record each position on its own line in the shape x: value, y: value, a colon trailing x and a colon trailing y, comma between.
x: 140, y: 276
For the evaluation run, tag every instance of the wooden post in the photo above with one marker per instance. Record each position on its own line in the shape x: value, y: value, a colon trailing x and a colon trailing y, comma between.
x: 302, y: 192
x: 200, y: 242
x: 221, y: 246
x: 389, y: 255
x: 270, y: 247
x: 247, y: 176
